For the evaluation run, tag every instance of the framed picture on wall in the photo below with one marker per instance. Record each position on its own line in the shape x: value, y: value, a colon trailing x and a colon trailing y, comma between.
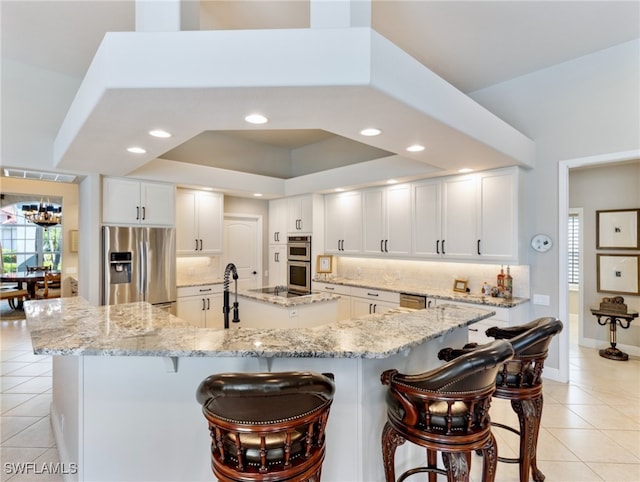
x: 618, y: 273
x: 618, y: 229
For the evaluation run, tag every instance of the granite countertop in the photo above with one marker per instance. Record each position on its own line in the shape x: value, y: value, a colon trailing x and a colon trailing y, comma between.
x: 410, y: 288
x: 72, y: 326
x: 287, y: 302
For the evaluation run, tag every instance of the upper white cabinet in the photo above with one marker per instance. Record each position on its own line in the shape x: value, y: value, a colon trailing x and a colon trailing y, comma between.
x: 300, y: 214
x: 278, y: 210
x: 343, y: 223
x: 467, y: 217
x: 131, y: 202
x: 199, y: 222
x: 387, y: 220
x: 498, y: 214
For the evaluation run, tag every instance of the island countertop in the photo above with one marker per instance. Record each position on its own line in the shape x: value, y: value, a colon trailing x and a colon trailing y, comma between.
x: 72, y: 326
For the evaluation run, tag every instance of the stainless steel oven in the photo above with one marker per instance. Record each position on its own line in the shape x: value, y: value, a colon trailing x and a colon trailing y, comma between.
x: 299, y: 248
x: 299, y: 264
x: 299, y: 276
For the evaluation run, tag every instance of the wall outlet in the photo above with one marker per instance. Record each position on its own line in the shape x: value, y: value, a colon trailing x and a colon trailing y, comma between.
x: 543, y: 300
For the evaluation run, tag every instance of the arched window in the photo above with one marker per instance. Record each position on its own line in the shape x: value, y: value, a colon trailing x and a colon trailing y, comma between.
x: 25, y: 244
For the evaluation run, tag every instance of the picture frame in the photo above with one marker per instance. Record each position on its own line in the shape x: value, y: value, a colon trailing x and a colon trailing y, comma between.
x: 618, y: 229
x: 460, y: 285
x: 324, y: 263
x: 618, y: 273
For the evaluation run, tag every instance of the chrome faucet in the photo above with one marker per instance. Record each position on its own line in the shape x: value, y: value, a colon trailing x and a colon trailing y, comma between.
x: 230, y: 270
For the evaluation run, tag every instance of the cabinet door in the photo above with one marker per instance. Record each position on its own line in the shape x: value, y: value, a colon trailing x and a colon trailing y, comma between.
x: 343, y: 223
x: 214, y: 315
x: 277, y: 265
x: 121, y: 201
x: 278, y: 210
x: 210, y: 220
x: 427, y: 220
x: 300, y: 214
x: 157, y: 204
x: 459, y: 218
x: 361, y: 307
x: 398, y: 220
x: 372, y: 226
x: 192, y: 309
x: 498, y: 215
x: 187, y: 241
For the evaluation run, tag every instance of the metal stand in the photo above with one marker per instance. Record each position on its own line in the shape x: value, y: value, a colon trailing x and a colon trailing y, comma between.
x: 614, y: 319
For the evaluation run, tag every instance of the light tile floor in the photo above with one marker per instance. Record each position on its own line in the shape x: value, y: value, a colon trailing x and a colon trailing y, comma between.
x: 590, y: 427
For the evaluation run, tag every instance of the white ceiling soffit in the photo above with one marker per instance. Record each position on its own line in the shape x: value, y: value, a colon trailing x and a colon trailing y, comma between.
x: 338, y: 80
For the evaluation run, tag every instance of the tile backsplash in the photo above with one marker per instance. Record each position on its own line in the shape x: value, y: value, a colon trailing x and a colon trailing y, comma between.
x: 202, y: 268
x: 432, y: 274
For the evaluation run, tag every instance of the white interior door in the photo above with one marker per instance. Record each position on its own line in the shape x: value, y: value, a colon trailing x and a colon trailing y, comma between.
x: 243, y: 247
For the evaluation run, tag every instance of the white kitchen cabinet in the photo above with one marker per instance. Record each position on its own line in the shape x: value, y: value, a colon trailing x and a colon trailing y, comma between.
x: 498, y: 215
x: 368, y: 301
x: 459, y: 217
x: 277, y: 265
x: 199, y: 222
x: 278, y: 217
x: 470, y: 217
x: 504, y: 317
x: 201, y: 305
x: 133, y: 202
x: 344, y: 302
x: 343, y: 223
x: 300, y: 214
x: 387, y: 220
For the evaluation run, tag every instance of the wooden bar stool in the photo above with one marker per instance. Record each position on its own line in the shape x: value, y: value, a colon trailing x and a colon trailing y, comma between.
x: 267, y: 426
x: 445, y: 410
x: 520, y: 381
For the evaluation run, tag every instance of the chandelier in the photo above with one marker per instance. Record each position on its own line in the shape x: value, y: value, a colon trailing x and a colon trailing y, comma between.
x: 43, y: 214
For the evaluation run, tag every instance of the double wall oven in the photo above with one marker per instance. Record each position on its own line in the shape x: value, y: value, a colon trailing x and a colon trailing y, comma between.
x: 299, y: 264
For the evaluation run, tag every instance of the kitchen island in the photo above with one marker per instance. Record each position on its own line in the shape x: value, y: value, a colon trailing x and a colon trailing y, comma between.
x: 125, y: 376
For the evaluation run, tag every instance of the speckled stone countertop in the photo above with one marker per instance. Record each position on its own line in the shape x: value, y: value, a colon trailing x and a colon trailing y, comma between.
x: 72, y: 326
x: 410, y: 288
x: 287, y: 302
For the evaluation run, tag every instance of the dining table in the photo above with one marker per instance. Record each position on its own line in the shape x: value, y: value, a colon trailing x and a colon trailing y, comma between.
x: 22, y: 278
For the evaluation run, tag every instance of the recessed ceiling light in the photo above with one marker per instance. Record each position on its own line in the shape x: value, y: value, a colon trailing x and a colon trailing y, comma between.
x: 392, y: 181
x: 415, y: 148
x: 371, y: 131
x: 159, y: 133
x: 136, y: 150
x: 256, y: 119
x: 339, y: 189
x: 257, y: 194
x: 464, y: 170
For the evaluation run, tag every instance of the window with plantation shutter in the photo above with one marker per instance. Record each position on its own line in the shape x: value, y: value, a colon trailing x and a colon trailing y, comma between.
x: 574, y: 249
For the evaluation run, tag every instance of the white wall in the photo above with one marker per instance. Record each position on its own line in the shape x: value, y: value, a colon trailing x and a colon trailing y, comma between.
x: 584, y: 107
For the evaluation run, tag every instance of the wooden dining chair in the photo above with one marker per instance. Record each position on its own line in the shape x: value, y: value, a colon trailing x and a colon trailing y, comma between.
x: 52, y: 286
x: 14, y: 296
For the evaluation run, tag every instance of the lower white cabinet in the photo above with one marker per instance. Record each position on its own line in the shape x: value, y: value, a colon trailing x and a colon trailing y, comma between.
x: 201, y: 305
x: 504, y: 317
x: 367, y: 301
x: 344, y: 302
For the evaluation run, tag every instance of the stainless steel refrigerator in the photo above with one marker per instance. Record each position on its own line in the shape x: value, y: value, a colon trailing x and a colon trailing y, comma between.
x: 139, y: 264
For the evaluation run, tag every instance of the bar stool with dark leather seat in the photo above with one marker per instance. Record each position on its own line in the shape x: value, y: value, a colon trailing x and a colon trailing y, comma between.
x: 445, y: 410
x: 267, y: 426
x: 520, y: 381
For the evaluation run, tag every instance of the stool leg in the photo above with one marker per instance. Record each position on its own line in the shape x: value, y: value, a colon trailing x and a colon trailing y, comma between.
x: 489, y: 460
x: 432, y: 461
x: 390, y: 441
x: 529, y: 414
x: 457, y: 466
